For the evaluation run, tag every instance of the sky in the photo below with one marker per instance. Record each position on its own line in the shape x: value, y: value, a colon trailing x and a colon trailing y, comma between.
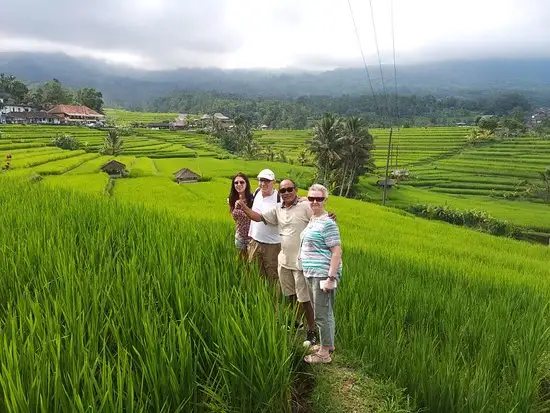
x: 277, y: 34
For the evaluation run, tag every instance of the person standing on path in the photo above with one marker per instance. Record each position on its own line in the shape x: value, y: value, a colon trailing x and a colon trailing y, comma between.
x: 290, y: 218
x: 265, y: 243
x: 240, y: 190
x: 321, y: 261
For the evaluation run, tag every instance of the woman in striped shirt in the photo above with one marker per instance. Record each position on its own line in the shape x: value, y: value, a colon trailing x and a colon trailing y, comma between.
x: 240, y: 189
x: 320, y: 256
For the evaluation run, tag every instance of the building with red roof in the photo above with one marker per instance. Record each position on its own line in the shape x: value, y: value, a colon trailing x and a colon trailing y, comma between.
x: 76, y: 114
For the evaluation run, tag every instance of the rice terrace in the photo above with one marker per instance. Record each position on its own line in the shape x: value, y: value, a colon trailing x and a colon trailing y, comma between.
x: 126, y: 295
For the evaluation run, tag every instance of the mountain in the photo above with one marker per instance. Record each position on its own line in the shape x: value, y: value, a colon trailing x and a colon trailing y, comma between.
x: 133, y: 87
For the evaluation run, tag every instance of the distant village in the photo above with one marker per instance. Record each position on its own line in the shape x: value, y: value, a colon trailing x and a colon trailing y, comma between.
x: 84, y: 116
x: 58, y: 115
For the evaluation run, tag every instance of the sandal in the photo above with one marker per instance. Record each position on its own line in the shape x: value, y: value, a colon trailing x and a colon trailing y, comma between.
x: 316, y: 358
x: 315, y: 348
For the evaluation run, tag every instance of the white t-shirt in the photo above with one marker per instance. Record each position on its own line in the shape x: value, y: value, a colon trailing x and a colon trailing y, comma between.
x: 268, y: 234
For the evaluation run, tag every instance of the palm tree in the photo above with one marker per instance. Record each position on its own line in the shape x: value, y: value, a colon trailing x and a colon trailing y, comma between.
x: 112, y: 144
x: 324, y: 145
x: 356, y: 144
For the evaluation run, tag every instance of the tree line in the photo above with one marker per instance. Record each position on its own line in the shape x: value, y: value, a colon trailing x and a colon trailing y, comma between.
x: 377, y: 110
x: 46, y: 96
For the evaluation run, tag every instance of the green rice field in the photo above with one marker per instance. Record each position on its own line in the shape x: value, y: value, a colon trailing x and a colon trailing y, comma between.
x: 129, y: 297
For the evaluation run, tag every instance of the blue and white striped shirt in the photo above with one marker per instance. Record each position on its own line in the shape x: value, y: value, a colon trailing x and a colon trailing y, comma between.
x: 317, y: 239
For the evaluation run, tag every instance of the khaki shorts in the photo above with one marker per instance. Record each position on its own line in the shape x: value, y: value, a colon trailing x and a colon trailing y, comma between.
x: 267, y: 257
x: 293, y: 282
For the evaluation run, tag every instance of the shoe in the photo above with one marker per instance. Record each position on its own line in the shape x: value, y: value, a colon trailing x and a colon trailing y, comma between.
x: 311, y: 338
x: 315, y: 348
x: 316, y: 358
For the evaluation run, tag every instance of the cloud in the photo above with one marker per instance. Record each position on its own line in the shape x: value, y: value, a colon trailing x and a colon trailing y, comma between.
x: 158, y: 30
x: 314, y: 34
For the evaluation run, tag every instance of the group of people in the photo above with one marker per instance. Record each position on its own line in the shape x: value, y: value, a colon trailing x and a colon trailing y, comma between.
x: 296, y: 243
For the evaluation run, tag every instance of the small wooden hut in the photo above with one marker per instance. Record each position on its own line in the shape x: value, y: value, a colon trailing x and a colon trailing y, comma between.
x: 186, y: 175
x: 114, y: 169
x: 385, y: 182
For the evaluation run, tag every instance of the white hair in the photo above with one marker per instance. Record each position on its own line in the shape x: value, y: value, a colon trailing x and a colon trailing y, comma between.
x: 320, y: 188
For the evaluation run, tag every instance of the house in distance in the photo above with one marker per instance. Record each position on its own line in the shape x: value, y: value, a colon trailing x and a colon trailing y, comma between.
x: 114, y: 169
x: 186, y: 175
x: 75, y: 115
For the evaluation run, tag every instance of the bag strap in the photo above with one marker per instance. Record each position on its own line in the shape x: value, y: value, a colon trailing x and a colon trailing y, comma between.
x: 258, y: 190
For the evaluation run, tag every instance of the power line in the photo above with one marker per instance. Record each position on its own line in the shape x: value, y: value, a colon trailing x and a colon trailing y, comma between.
x: 388, y: 156
x: 362, y: 53
x: 397, y: 114
x: 388, y: 111
x: 379, y: 59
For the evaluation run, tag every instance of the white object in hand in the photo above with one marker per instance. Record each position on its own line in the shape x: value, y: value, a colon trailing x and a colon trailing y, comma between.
x: 323, y: 283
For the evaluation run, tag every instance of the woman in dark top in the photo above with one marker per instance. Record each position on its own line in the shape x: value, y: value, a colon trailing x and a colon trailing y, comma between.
x: 240, y: 189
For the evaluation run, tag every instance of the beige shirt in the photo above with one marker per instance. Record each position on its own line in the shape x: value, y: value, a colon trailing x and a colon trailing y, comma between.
x: 291, y: 221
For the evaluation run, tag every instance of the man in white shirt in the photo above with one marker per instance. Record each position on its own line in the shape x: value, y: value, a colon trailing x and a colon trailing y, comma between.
x: 266, y: 241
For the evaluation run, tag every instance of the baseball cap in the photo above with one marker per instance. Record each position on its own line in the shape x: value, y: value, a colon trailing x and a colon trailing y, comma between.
x: 267, y: 174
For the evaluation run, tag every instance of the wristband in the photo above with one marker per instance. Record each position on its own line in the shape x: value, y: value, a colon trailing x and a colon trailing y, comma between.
x: 332, y: 278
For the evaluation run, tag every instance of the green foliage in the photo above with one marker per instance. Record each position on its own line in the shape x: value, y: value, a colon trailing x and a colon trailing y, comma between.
x: 473, y: 218
x: 55, y: 94
x: 342, y: 151
x: 89, y: 97
x: 113, y: 143
x: 66, y: 142
x: 304, y: 111
x: 120, y: 305
x: 480, y: 136
x: 13, y: 89
x: 545, y: 180
x: 49, y: 94
x: 238, y: 139
x: 488, y: 123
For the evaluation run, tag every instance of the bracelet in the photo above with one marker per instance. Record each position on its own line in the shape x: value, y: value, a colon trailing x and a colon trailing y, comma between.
x: 332, y: 278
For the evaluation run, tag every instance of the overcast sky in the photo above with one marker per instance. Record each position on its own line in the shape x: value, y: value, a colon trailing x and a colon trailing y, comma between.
x: 310, y: 34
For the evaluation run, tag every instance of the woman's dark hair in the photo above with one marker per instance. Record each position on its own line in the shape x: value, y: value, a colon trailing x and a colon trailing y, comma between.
x: 234, y: 195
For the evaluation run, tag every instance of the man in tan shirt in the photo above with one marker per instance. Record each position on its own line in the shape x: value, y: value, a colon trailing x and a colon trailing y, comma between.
x: 291, y: 217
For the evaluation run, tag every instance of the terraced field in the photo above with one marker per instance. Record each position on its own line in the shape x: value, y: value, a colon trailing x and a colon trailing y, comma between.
x: 443, y: 168
x: 457, y: 318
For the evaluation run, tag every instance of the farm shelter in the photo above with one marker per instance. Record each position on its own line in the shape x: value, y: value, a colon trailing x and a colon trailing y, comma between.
x: 386, y: 182
x: 114, y: 169
x: 186, y: 175
x: 76, y: 114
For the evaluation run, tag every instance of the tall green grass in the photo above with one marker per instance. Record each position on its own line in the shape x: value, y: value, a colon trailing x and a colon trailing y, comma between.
x: 110, y: 307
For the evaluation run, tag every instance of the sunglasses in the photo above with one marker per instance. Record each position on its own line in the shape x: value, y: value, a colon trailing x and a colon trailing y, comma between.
x: 264, y: 180
x: 285, y: 190
x: 239, y: 182
x: 319, y: 199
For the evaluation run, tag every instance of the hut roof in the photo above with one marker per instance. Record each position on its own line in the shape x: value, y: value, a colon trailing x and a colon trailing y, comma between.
x: 186, y: 173
x: 113, y: 165
x: 385, y: 182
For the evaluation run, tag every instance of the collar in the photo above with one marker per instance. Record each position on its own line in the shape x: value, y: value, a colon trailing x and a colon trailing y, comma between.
x: 295, y: 202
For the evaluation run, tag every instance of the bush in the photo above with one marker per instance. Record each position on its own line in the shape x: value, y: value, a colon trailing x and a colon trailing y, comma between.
x: 472, y: 218
x: 65, y: 142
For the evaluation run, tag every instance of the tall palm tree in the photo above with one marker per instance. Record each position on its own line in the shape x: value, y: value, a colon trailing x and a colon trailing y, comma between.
x: 324, y: 145
x: 112, y: 144
x: 356, y: 145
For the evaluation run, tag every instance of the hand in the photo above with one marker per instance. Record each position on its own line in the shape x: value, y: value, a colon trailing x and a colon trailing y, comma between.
x: 330, y: 285
x: 238, y: 204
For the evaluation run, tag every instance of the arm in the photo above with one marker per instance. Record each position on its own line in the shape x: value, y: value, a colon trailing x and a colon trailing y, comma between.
x: 335, y: 260
x: 253, y: 215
